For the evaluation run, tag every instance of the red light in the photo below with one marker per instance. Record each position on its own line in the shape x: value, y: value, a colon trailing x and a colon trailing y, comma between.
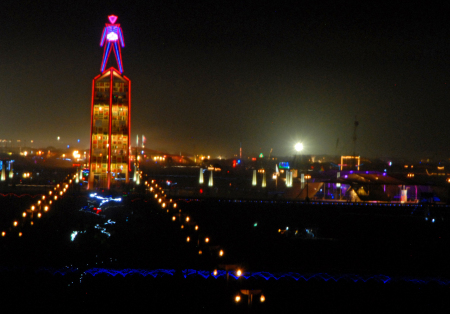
x: 112, y: 19
x: 234, y: 163
x: 201, y: 191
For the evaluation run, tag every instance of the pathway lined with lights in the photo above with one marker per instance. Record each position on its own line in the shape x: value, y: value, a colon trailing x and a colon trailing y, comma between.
x: 36, y: 210
x: 184, y: 220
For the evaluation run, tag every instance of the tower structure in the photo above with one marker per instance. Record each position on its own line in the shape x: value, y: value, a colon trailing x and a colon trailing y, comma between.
x: 109, y: 160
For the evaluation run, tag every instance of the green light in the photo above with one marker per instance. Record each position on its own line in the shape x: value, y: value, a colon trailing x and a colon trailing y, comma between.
x: 255, y: 224
x: 261, y: 155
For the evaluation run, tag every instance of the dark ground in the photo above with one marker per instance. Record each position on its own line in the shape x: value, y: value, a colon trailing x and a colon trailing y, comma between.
x: 362, y: 240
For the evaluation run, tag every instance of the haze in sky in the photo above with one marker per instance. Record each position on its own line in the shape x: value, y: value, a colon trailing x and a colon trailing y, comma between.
x: 209, y: 75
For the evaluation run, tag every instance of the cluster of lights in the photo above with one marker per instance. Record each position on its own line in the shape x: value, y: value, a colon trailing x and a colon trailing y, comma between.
x: 36, y: 210
x: 204, y: 157
x: 159, y: 158
x: 250, y: 294
x: 169, y: 205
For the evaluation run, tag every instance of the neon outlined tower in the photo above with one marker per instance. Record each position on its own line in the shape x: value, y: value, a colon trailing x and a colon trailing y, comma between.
x: 109, y: 160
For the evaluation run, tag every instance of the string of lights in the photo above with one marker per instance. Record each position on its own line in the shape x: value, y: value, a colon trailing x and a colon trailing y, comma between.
x: 19, y: 195
x: 36, y: 210
x: 261, y: 275
x: 184, y: 220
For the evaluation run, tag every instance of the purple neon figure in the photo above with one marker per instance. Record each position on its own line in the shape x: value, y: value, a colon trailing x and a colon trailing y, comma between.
x: 112, y: 35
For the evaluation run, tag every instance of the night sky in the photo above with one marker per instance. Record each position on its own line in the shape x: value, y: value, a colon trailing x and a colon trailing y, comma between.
x: 209, y: 75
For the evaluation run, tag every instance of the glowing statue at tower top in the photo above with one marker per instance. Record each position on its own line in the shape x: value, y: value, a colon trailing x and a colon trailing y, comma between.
x: 112, y: 35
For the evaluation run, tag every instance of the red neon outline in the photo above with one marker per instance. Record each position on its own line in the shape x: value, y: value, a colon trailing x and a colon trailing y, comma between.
x: 111, y: 72
x: 115, y: 46
x: 92, y: 123
x: 112, y: 18
x: 104, y: 72
x: 129, y: 122
x: 122, y: 41
x: 105, y: 56
x: 102, y: 40
x: 92, y: 127
x: 108, y: 175
x: 118, y: 55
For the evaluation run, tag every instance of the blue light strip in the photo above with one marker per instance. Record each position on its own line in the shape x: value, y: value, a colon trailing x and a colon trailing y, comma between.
x: 106, y: 56
x: 248, y: 275
x: 122, y: 43
x: 103, y: 37
x: 117, y: 52
x: 124, y: 272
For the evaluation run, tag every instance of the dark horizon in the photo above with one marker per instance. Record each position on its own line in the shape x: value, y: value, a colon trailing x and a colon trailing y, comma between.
x: 208, y: 76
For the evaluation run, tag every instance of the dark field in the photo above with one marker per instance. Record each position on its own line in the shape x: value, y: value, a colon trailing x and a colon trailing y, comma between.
x: 358, y: 240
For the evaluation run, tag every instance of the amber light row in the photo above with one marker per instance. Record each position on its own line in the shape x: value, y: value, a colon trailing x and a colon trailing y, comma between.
x: 171, y: 207
x: 42, y: 206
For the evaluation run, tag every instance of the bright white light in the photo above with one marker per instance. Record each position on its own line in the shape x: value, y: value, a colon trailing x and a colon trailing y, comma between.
x: 112, y: 36
x: 298, y: 147
x: 105, y: 199
x: 73, y: 235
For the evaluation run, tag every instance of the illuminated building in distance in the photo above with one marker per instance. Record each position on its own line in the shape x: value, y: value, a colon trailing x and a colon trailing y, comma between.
x: 109, y: 161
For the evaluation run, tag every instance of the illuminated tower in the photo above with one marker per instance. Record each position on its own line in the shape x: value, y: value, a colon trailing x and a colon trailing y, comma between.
x: 109, y: 161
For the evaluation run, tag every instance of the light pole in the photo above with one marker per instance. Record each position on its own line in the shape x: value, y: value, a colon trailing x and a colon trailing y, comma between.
x: 307, y: 177
x: 298, y: 147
